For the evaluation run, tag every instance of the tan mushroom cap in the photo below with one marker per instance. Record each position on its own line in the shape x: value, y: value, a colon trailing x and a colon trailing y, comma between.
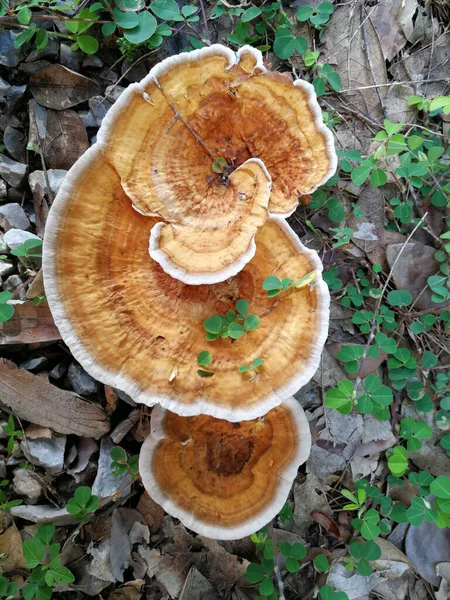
x: 163, y: 135
x: 224, y: 480
x: 214, y: 245
x: 134, y: 327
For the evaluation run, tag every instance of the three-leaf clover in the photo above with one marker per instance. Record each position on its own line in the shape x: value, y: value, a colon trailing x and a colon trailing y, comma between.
x: 83, y: 503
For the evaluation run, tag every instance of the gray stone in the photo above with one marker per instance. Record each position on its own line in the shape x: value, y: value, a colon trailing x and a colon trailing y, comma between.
x: 125, y: 397
x: 92, y: 61
x: 113, y: 92
x: 15, y: 94
x: 99, y: 106
x: 9, y: 56
x: 105, y: 484
x: 42, y: 513
x: 4, y: 90
x: 6, y: 268
x: 12, y: 216
x: 14, y: 141
x: 6, y: 120
x: 55, y: 177
x: 12, y: 171
x: 36, y: 364
x: 12, y: 284
x: 59, y: 370
x: 25, y: 484
x: 47, y: 453
x: 88, y: 118
x: 69, y: 58
x: 121, y: 430
x: 3, y: 247
x: 15, y: 238
x: 3, y: 189
x: 415, y: 265
x: 81, y: 382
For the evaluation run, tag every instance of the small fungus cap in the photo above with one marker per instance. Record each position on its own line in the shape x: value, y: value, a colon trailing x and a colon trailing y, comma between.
x: 134, y: 327
x: 181, y: 141
x: 224, y: 480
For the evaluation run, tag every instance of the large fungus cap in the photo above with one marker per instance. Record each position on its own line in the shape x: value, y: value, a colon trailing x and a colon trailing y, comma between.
x: 168, y: 135
x: 224, y: 480
x: 134, y: 327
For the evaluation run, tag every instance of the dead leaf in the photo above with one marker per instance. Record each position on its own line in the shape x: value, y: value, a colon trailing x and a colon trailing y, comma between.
x: 386, y: 21
x: 308, y: 496
x: 131, y: 591
x: 152, y: 512
x: 36, y: 287
x: 196, y: 586
x: 66, y: 139
x: 29, y: 324
x: 11, y: 545
x: 60, y: 88
x: 327, y: 522
x: 34, y: 399
x: 40, y: 209
x: 344, y: 40
x: 426, y: 545
x: 36, y: 432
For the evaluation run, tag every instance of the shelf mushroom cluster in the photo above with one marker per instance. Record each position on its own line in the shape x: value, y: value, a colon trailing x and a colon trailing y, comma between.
x: 176, y: 213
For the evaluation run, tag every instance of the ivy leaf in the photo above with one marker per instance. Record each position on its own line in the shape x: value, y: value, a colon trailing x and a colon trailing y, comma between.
x: 144, y: 30
x: 167, y: 10
x: 251, y: 322
x: 204, y: 358
x: 399, y: 298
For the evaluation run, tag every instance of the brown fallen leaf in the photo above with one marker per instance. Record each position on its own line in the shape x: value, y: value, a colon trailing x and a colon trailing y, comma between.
x: 152, y: 512
x: 131, y: 591
x: 66, y: 139
x: 11, y: 545
x: 40, y: 205
x: 34, y: 399
x: 29, y: 324
x: 327, y: 522
x: 386, y: 20
x: 345, y: 39
x: 59, y: 88
x: 36, y: 287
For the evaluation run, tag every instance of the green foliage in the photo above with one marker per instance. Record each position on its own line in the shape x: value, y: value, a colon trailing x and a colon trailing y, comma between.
x: 83, y: 503
x: 42, y: 556
x: 5, y: 503
x: 274, y: 285
x: 7, y: 589
x: 316, y: 16
x: 398, y: 461
x: 11, y: 432
x: 362, y: 553
x: 29, y: 249
x: 121, y: 464
x: 233, y: 324
x: 413, y: 431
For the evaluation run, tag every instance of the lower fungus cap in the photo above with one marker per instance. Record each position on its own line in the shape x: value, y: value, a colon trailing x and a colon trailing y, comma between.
x: 135, y: 328
x: 224, y: 480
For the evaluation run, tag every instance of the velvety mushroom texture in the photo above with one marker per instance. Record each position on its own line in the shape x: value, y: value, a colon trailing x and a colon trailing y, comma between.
x: 164, y: 135
x: 134, y: 327
x: 224, y: 480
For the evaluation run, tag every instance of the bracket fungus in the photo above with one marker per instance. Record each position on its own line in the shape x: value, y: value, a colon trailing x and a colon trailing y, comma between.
x: 181, y: 140
x: 134, y: 327
x: 224, y: 480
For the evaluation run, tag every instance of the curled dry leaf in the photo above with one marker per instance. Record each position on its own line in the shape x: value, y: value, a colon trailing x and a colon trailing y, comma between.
x: 34, y: 399
x: 327, y: 522
x: 59, y: 88
x: 66, y: 139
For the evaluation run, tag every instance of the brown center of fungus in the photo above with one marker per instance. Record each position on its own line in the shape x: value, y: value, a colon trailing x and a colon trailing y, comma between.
x: 228, y: 454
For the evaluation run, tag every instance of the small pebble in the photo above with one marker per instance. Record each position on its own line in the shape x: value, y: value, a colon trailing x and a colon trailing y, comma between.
x: 80, y: 381
x: 12, y: 216
x: 35, y: 364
